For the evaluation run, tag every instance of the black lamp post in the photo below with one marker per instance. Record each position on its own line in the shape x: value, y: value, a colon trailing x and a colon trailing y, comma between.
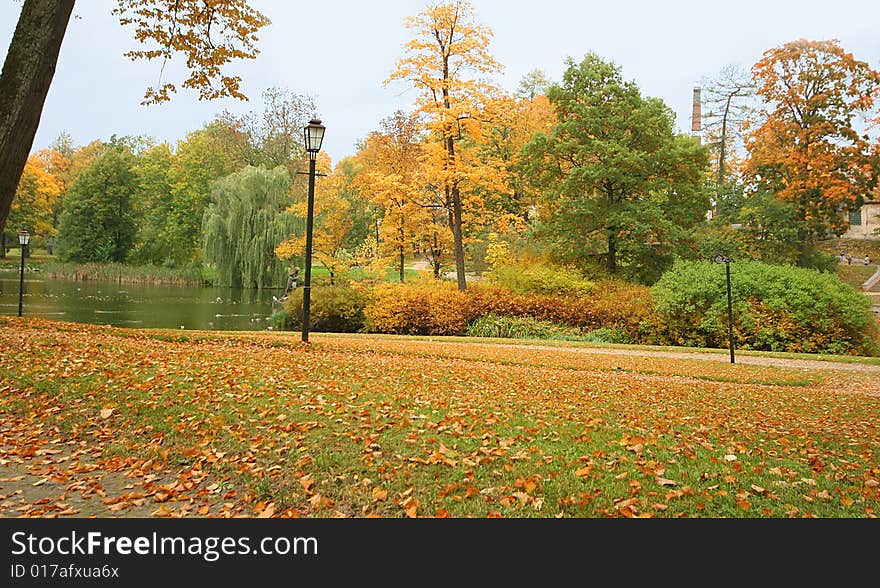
x: 726, y: 261
x: 314, y: 136
x: 23, y: 238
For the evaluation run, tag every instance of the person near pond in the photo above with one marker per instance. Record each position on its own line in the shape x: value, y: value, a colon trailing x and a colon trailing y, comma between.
x: 842, y: 257
x: 867, y: 260
x: 292, y: 278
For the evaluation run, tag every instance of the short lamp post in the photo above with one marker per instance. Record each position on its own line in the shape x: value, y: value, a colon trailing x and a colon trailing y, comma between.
x: 726, y: 261
x: 23, y: 238
x: 314, y: 136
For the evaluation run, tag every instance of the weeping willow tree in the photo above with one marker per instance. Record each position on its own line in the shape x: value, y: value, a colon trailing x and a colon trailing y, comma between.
x: 244, y: 224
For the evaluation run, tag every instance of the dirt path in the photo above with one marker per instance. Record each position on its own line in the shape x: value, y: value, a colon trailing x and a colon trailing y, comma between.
x: 719, y: 357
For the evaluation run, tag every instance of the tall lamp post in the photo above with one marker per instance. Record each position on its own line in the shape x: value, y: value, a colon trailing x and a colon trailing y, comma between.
x: 726, y: 261
x: 23, y: 238
x: 314, y: 136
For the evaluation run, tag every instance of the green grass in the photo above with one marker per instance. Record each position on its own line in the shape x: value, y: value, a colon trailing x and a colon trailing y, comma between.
x: 374, y: 425
x: 855, y: 275
x: 124, y: 273
x: 320, y: 273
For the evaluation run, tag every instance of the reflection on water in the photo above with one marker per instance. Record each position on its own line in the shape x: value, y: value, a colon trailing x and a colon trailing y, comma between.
x: 147, y: 305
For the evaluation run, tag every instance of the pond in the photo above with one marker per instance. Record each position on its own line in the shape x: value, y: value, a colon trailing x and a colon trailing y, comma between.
x: 138, y: 305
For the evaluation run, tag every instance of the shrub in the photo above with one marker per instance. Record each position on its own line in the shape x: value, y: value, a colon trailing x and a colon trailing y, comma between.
x: 332, y: 309
x: 281, y: 320
x: 613, y: 305
x: 416, y: 309
x: 438, y: 308
x: 607, y: 335
x: 776, y: 308
x: 535, y: 277
x: 506, y: 327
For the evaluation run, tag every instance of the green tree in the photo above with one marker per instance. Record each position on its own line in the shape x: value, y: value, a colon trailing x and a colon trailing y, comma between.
x: 243, y: 225
x: 98, y: 220
x: 155, y: 207
x: 613, y: 170
x: 201, y: 159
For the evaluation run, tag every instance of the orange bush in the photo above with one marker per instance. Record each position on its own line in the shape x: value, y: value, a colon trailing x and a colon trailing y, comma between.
x: 405, y: 309
x: 438, y: 308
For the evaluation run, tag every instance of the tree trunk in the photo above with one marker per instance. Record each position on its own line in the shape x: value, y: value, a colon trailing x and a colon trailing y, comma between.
x: 453, y: 200
x: 457, y: 238
x: 435, y: 256
x: 402, y: 258
x: 723, y: 151
x: 612, y: 251
x: 24, y: 84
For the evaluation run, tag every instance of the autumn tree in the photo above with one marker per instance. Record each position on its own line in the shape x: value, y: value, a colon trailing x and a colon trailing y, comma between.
x: 392, y: 179
x: 808, y: 150
x: 35, y: 200
x: 613, y: 169
x: 272, y: 137
x: 447, y: 62
x: 512, y: 121
x: 208, y: 35
x: 332, y: 224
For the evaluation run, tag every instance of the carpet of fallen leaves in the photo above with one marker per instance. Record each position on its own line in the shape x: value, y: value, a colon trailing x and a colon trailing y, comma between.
x: 97, y: 421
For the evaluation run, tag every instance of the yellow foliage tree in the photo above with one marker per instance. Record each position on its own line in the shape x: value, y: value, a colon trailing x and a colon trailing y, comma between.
x: 35, y: 200
x: 512, y: 122
x: 391, y: 178
x: 333, y: 223
x: 447, y: 62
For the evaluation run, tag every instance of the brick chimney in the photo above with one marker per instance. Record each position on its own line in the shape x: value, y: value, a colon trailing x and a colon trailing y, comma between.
x: 697, y: 115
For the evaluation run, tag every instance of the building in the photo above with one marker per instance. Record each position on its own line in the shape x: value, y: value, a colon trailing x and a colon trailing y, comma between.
x: 864, y: 222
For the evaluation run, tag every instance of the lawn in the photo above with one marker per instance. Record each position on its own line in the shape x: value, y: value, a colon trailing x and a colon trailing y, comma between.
x: 116, y: 422
x: 856, y: 275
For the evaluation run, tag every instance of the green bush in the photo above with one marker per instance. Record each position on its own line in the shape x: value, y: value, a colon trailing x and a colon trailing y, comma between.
x: 776, y: 308
x: 607, y: 335
x: 536, y: 277
x: 281, y: 320
x: 332, y: 309
x: 506, y: 327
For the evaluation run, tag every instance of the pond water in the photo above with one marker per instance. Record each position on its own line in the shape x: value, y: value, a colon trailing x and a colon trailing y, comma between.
x: 138, y: 305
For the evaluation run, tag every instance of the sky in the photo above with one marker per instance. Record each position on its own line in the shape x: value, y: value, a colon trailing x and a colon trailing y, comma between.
x: 340, y: 51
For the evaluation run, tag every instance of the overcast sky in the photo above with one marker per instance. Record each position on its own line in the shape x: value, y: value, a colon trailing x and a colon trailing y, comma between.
x: 340, y: 51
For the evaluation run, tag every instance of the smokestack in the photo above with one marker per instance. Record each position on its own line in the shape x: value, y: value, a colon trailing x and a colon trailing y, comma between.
x: 697, y: 116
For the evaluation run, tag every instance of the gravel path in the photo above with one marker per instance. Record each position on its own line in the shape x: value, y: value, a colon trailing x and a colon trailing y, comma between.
x: 744, y: 359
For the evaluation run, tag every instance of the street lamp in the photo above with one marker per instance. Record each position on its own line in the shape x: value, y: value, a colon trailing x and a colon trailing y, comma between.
x: 314, y: 136
x: 720, y: 258
x: 23, y: 238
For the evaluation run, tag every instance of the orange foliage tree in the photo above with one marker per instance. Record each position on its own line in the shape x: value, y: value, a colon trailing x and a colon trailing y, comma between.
x: 808, y: 150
